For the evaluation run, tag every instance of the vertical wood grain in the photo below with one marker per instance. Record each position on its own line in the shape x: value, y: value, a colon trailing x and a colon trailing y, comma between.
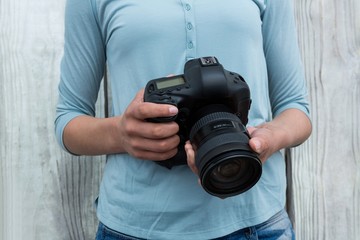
x: 326, y: 168
x: 45, y: 193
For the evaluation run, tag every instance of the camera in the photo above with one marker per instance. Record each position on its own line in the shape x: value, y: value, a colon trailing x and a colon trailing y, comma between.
x: 213, y: 108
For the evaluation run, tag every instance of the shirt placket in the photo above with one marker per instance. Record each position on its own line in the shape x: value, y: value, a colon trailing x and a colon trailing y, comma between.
x: 189, y: 14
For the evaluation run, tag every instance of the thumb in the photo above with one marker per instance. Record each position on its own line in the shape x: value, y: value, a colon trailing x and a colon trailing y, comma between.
x: 256, y: 145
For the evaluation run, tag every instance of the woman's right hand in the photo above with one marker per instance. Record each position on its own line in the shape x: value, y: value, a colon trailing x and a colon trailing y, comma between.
x: 147, y: 140
x: 129, y: 132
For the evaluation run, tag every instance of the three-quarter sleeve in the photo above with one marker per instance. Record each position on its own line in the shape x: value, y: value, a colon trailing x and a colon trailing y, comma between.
x: 82, y: 65
x: 287, y: 86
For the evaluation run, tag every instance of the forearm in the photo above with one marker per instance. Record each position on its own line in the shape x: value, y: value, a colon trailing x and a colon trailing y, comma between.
x: 127, y: 133
x: 86, y: 135
x: 292, y: 127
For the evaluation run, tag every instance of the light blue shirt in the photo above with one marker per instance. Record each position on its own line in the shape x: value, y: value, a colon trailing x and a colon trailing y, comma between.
x: 143, y: 40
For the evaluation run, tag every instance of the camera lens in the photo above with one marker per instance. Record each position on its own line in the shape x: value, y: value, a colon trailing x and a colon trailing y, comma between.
x: 228, y: 171
x: 227, y: 166
x: 226, y: 174
x: 231, y: 175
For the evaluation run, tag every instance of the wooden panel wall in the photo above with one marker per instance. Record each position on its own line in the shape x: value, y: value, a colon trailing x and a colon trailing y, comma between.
x: 47, y: 194
x: 326, y: 169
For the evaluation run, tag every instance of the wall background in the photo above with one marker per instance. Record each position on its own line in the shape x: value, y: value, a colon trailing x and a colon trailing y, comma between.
x: 326, y: 169
x: 47, y: 194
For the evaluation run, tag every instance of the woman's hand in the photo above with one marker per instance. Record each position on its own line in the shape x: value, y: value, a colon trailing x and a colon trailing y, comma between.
x: 289, y: 129
x: 144, y: 139
x: 129, y: 132
x: 262, y: 140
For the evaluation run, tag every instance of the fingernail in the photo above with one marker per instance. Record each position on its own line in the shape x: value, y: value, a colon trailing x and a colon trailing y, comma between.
x: 173, y: 110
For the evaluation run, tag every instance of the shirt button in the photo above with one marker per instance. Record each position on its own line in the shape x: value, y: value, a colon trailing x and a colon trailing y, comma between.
x: 189, y: 26
x: 190, y: 45
x: 187, y: 7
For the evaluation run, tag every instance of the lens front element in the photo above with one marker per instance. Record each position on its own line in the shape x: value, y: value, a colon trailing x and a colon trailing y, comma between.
x: 227, y: 176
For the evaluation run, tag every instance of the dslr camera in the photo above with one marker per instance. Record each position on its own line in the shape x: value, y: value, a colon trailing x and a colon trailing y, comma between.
x: 213, y: 108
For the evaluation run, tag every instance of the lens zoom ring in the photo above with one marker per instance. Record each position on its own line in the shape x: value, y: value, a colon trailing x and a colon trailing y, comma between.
x: 210, y: 118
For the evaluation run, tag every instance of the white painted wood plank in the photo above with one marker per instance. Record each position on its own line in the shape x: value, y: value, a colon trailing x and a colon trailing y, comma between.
x: 326, y: 169
x: 45, y: 193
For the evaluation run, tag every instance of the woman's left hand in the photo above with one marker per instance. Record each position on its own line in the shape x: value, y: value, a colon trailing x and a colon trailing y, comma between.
x: 290, y: 128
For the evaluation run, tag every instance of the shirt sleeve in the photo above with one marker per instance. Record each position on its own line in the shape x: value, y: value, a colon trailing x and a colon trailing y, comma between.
x: 82, y: 66
x: 287, y: 86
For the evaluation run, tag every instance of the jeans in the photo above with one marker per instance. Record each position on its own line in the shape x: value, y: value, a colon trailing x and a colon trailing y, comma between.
x: 277, y: 227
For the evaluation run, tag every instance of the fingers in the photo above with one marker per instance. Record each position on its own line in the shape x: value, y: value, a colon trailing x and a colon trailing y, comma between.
x: 254, y: 142
x: 144, y: 110
x: 256, y: 145
x: 154, y: 156
x: 190, y: 153
x: 138, y: 112
x: 155, y: 145
x: 147, y: 140
x: 150, y: 148
x: 154, y: 110
x: 261, y: 142
x: 150, y: 130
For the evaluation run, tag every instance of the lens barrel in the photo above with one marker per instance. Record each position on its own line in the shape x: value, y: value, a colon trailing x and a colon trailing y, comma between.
x: 227, y: 165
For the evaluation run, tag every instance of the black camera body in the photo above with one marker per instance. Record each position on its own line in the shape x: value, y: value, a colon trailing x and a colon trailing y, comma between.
x: 203, y: 83
x: 213, y: 108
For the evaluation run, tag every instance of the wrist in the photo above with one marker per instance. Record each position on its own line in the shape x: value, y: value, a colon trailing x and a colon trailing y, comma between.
x: 115, y: 141
x: 290, y: 129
